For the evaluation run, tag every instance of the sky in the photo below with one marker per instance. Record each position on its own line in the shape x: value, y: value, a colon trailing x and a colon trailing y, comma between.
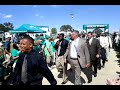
x: 55, y: 16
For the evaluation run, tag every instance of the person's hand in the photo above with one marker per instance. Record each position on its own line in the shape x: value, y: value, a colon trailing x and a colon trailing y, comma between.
x: 113, y: 82
x: 65, y: 61
x: 10, y: 84
x: 58, y: 42
x: 97, y: 56
x: 4, y: 62
x: 87, y: 65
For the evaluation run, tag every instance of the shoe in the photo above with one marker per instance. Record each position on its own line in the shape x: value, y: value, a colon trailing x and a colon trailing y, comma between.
x: 106, y: 60
x: 70, y: 69
x: 89, y: 80
x: 64, y: 82
x: 95, y: 75
x: 103, y: 66
x: 99, y: 68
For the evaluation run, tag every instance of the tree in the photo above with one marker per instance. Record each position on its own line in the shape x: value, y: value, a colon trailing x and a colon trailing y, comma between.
x: 66, y: 28
x: 2, y: 27
x: 53, y: 31
x: 6, y: 26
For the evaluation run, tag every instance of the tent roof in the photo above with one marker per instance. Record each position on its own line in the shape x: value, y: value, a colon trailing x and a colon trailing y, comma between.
x: 28, y: 28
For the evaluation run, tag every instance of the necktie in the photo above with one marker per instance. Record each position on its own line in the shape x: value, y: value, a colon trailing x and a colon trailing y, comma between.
x: 24, y: 70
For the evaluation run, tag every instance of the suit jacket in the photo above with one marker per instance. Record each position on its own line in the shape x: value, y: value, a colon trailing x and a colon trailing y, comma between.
x: 83, y: 53
x: 94, y: 48
x: 36, y: 69
x: 64, y: 45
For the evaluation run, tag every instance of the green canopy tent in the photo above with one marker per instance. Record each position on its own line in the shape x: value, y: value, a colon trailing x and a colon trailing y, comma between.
x: 27, y: 28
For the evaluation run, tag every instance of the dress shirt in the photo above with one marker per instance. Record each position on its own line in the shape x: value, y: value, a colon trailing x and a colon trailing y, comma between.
x: 73, y: 52
x: 90, y: 41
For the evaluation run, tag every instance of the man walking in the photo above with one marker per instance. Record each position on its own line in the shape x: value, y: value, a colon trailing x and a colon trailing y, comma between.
x: 61, y: 46
x: 94, y: 50
x: 78, y: 56
x: 31, y: 66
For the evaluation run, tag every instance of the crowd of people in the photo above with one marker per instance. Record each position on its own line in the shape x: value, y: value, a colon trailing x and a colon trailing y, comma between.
x: 26, y: 61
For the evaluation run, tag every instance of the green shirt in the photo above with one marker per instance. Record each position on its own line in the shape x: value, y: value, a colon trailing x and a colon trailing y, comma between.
x: 37, y: 48
x: 68, y: 39
x: 15, y: 53
x: 47, y: 45
x: 52, y: 46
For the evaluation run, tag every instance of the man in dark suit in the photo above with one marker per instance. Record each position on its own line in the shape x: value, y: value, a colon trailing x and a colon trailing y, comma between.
x: 61, y: 47
x: 31, y: 67
x: 94, y: 50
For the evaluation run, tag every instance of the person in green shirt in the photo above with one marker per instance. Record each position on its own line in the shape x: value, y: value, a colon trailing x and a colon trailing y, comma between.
x: 68, y: 39
x: 37, y: 46
x: 37, y: 37
x: 48, y: 51
x: 53, y: 50
x: 15, y: 54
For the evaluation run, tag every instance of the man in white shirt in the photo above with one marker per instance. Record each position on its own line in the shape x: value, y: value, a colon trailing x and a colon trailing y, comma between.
x: 117, y: 41
x: 78, y: 56
x: 105, y: 42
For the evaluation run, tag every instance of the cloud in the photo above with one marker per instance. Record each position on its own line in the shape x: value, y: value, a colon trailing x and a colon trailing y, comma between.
x: 23, y: 5
x: 34, y: 5
x: 7, y: 16
x: 54, y: 6
x: 41, y: 16
x: 2, y: 15
x: 36, y: 15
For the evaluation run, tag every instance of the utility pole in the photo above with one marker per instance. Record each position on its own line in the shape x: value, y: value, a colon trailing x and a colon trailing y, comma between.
x: 72, y: 15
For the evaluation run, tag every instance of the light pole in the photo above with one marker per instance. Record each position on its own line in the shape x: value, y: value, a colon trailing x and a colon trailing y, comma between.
x: 72, y: 15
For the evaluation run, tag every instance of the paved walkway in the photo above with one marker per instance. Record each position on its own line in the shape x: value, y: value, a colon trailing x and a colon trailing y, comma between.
x: 111, y: 70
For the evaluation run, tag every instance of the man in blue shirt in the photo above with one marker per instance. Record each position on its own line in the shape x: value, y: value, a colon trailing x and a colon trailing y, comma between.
x: 7, y: 45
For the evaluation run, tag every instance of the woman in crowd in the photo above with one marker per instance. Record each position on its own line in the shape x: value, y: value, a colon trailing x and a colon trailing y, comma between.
x: 15, y: 54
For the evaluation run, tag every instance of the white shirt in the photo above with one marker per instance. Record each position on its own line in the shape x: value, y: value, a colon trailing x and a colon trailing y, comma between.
x: 102, y: 41
x: 117, y: 39
x: 105, y: 42
x: 73, y: 52
x: 90, y: 41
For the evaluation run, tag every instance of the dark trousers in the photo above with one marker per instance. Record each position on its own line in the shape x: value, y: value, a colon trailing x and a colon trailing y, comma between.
x: 94, y: 64
x: 33, y: 83
x: 99, y: 63
x: 2, y: 80
x: 103, y: 55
